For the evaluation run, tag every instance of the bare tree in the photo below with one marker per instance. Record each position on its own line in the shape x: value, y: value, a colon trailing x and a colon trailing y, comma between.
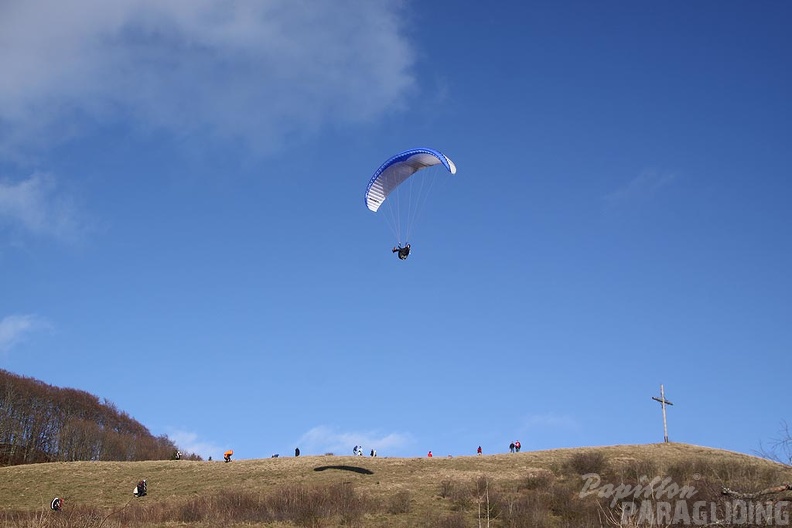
x: 39, y: 422
x: 779, y: 448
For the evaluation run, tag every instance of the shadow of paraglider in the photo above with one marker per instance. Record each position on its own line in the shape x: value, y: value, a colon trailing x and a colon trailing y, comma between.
x: 354, y: 469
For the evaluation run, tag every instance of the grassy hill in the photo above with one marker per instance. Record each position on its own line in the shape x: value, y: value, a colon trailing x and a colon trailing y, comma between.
x: 534, y: 488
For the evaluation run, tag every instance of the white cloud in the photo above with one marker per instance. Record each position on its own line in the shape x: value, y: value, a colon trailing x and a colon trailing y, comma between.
x: 323, y: 439
x: 189, y: 442
x: 15, y: 328
x: 640, y: 188
x: 253, y: 70
x: 38, y: 206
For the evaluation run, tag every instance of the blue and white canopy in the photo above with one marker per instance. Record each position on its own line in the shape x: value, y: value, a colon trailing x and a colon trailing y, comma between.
x: 397, y: 169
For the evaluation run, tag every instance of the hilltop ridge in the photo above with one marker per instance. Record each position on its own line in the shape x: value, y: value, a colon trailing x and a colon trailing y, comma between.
x: 429, y: 482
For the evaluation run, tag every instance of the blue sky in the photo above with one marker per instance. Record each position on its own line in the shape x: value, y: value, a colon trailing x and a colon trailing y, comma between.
x: 182, y: 227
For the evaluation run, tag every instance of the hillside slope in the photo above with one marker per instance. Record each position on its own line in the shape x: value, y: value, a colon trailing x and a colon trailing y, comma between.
x: 108, y: 485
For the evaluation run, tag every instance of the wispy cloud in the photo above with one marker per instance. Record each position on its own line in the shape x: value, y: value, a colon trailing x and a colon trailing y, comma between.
x: 323, y: 439
x: 640, y: 188
x: 249, y: 70
x: 37, y: 205
x: 549, y: 421
x: 16, y: 328
x: 188, y: 442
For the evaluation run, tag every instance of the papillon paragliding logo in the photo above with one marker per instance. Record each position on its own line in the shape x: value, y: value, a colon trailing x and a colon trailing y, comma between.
x: 56, y: 504
x: 399, y: 190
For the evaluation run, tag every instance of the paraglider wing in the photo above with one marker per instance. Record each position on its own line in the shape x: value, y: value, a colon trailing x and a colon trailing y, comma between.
x: 400, y: 167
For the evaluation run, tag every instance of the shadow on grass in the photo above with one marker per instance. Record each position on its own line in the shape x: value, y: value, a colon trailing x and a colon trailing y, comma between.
x: 354, y: 469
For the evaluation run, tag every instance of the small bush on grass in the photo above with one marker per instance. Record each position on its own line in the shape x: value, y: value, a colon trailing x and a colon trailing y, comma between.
x: 527, y: 510
x: 458, y: 493
x: 637, y: 470
x: 454, y: 520
x: 399, y: 502
x: 446, y: 488
x: 587, y: 462
x: 538, y: 479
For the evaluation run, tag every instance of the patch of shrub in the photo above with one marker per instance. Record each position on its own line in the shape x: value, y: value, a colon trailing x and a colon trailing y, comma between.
x: 446, y: 487
x: 527, y: 510
x: 684, y: 472
x: 306, y: 506
x: 454, y: 520
x: 337, y: 504
x: 538, y: 479
x: 637, y: 470
x: 487, y: 496
x: 83, y: 516
x: 458, y: 493
x: 587, y: 462
x: 399, y: 502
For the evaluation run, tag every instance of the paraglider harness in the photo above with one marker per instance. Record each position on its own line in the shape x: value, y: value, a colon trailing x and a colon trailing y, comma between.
x: 141, y: 489
x: 403, y: 252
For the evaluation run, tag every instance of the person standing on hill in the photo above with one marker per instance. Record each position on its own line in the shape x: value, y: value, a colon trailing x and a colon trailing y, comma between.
x: 511, y: 447
x: 478, y: 451
x: 517, y: 446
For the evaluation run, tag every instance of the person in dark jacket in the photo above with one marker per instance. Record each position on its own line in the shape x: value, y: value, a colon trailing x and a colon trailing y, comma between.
x: 141, y: 489
x: 403, y: 252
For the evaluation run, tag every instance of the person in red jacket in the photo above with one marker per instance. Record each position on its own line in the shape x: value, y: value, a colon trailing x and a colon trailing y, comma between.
x: 517, y: 446
x: 429, y: 455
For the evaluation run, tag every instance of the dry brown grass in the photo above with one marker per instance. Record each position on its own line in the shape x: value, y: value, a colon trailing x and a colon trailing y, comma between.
x: 537, y: 488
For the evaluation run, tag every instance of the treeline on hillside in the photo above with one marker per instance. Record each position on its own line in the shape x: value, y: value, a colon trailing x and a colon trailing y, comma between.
x: 42, y: 423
